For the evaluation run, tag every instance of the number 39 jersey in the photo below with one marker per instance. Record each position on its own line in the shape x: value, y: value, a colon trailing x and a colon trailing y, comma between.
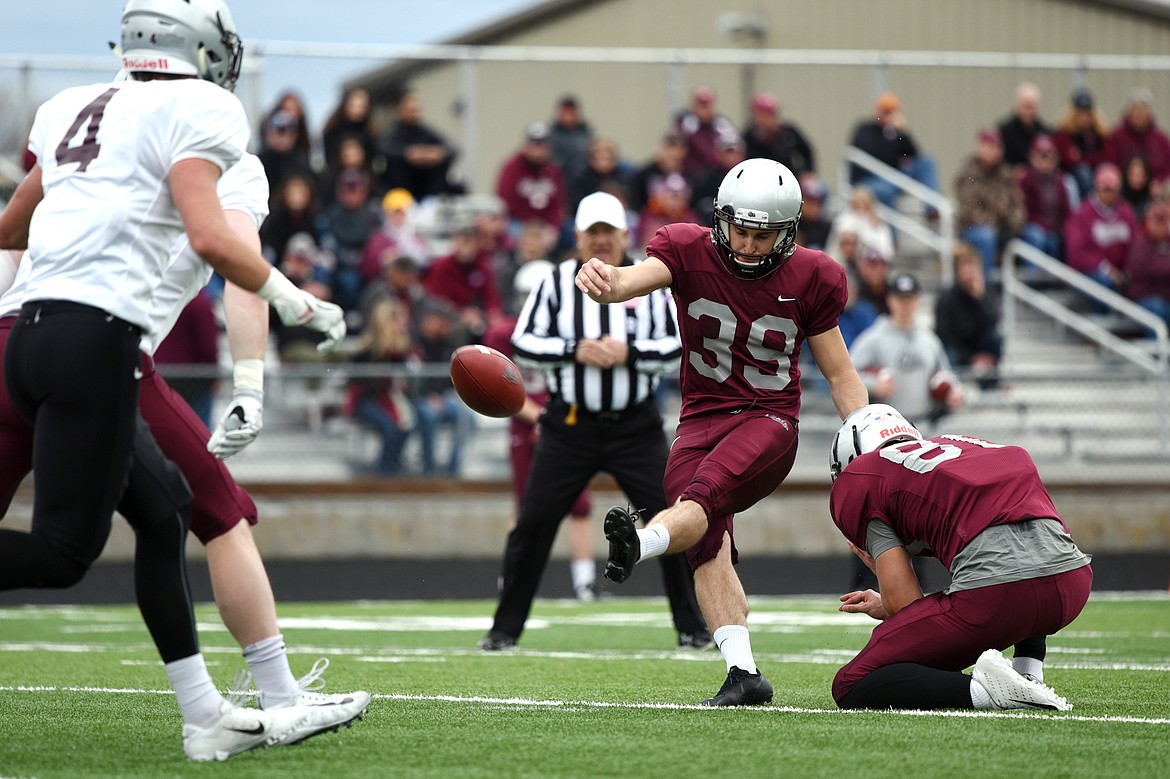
x: 943, y: 491
x: 104, y: 231
x: 742, y: 337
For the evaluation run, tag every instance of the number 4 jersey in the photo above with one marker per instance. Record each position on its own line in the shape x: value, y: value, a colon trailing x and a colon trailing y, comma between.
x: 944, y: 492
x: 742, y: 337
x: 104, y: 231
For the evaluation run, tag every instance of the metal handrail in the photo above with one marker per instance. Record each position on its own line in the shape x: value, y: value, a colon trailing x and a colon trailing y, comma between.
x: 941, y: 240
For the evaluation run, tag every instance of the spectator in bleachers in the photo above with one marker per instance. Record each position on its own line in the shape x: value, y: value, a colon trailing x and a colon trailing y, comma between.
x: 531, y: 184
x: 1019, y: 130
x: 700, y: 126
x: 279, y: 153
x: 349, y: 120
x: 346, y: 226
x: 885, y: 137
x: 1082, y: 138
x: 292, y: 105
x: 416, y: 157
x: 1098, y: 234
x: 569, y: 136
x: 193, y: 341
x: 493, y: 235
x: 670, y: 202
x: 1045, y: 195
x: 1137, y: 184
x: 308, y: 268
x: 860, y: 312
x: 400, y: 280
x: 669, y: 158
x: 350, y: 156
x: 1138, y: 134
x: 861, y: 218
x: 730, y: 151
x: 768, y: 135
x: 1148, y: 263
x: 466, y: 281
x: 902, y: 362
x: 395, y: 237
x: 604, y: 171
x: 872, y: 278
x: 534, y: 245
x: 814, y: 227
x: 966, y: 319
x: 435, y: 402
x: 294, y: 210
x: 381, y: 402
x: 991, y: 206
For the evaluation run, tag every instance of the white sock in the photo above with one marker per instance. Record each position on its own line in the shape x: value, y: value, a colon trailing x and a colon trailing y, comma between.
x: 736, y: 646
x: 654, y: 539
x: 268, y: 663
x: 198, y: 699
x: 1029, y: 665
x: 584, y: 573
x: 979, y: 697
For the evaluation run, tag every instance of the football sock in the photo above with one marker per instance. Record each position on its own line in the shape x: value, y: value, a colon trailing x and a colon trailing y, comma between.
x: 584, y: 572
x: 736, y: 647
x: 653, y: 539
x: 198, y: 699
x: 979, y: 697
x: 268, y: 662
x: 1029, y: 665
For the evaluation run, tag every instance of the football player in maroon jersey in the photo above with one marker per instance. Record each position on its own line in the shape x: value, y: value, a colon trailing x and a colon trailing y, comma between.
x: 748, y: 300
x: 981, y: 509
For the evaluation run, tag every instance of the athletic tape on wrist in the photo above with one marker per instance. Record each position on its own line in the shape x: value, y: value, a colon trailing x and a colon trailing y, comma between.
x: 248, y: 374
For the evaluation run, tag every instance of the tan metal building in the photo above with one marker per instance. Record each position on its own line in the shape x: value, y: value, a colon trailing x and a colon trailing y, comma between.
x: 631, y: 64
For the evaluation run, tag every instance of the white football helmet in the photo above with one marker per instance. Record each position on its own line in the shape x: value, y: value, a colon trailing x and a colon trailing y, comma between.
x: 182, y: 37
x: 868, y: 429
x: 757, y: 194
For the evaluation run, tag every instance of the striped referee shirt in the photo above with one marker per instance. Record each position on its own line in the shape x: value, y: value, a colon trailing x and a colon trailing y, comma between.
x: 557, y: 315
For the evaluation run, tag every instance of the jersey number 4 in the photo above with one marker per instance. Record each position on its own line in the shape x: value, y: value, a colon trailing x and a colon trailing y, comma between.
x: 88, y: 150
x: 719, y: 347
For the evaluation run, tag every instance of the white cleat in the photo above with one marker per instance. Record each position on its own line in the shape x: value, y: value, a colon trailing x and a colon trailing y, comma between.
x: 1009, y: 690
x: 240, y: 730
x: 326, y: 713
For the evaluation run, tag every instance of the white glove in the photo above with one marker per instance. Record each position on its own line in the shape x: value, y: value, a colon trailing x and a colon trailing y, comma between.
x: 243, y: 418
x: 240, y: 424
x: 295, y: 307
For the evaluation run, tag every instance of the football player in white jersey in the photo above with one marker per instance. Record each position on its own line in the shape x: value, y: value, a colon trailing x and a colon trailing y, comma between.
x: 222, y: 511
x: 122, y: 170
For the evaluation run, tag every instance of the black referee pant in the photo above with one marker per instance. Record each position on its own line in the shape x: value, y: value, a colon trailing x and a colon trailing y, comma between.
x: 632, y: 447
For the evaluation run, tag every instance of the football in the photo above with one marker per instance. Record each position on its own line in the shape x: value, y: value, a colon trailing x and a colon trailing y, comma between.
x: 487, y: 381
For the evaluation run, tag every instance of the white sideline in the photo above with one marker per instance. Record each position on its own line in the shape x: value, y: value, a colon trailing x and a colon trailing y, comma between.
x: 522, y: 703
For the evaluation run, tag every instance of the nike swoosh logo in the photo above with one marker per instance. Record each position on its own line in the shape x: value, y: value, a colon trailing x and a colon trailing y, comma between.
x: 256, y: 731
x: 137, y: 373
x: 783, y: 299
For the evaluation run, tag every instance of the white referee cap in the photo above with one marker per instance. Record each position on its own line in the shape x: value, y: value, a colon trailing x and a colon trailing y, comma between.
x: 600, y: 207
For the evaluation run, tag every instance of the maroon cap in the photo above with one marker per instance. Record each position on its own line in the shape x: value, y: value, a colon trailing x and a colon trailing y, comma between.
x: 1044, y: 143
x: 990, y: 135
x: 765, y: 101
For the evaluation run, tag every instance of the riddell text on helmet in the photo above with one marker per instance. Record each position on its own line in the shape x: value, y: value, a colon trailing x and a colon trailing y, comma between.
x: 889, y: 431
x: 140, y: 63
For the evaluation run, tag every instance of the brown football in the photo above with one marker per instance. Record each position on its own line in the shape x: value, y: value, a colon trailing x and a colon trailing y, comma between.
x: 487, y: 381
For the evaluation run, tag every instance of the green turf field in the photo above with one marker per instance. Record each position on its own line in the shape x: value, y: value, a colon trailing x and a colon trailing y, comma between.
x: 596, y: 690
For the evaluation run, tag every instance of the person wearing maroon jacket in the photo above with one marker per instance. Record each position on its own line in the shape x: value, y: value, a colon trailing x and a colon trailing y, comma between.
x: 531, y: 184
x: 1138, y: 135
x: 748, y: 300
x: 982, y: 510
x: 465, y: 279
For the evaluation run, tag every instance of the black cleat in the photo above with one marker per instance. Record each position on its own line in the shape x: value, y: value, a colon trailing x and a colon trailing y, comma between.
x: 742, y: 689
x: 496, y: 641
x: 699, y: 640
x: 624, y: 546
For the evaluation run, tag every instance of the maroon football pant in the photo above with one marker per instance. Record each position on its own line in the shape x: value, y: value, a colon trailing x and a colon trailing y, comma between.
x: 219, y: 502
x: 727, y: 463
x: 949, y: 632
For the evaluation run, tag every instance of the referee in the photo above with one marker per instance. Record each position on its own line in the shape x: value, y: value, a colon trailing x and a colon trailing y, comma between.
x: 602, y: 365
